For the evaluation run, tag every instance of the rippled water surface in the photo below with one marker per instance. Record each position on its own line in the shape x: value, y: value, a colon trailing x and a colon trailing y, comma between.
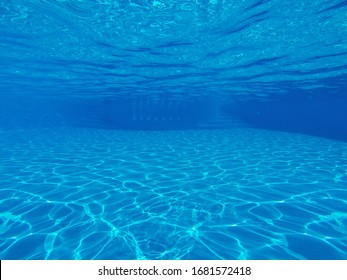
x: 188, y: 48
x: 225, y: 194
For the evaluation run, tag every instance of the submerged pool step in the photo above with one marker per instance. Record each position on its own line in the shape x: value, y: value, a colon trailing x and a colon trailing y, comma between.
x: 219, y: 122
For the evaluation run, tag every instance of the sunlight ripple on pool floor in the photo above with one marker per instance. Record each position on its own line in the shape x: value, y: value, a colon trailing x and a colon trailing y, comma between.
x: 223, y: 194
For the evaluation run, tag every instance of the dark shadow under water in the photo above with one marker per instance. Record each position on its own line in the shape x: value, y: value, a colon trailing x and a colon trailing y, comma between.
x: 322, y: 118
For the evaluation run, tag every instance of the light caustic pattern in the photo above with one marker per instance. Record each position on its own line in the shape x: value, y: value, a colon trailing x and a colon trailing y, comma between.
x: 223, y: 194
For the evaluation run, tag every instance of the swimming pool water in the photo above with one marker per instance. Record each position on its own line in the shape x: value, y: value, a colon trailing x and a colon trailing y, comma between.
x: 163, y: 129
x: 74, y: 193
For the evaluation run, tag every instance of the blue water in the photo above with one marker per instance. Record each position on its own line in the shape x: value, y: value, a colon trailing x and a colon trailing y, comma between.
x: 162, y: 129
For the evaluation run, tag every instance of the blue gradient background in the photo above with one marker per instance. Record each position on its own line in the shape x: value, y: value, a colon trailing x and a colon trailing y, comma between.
x: 162, y: 129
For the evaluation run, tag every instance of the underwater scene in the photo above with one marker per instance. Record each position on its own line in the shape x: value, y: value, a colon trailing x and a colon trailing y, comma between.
x: 173, y: 130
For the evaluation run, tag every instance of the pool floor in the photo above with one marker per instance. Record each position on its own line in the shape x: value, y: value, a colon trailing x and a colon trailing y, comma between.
x: 73, y: 193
